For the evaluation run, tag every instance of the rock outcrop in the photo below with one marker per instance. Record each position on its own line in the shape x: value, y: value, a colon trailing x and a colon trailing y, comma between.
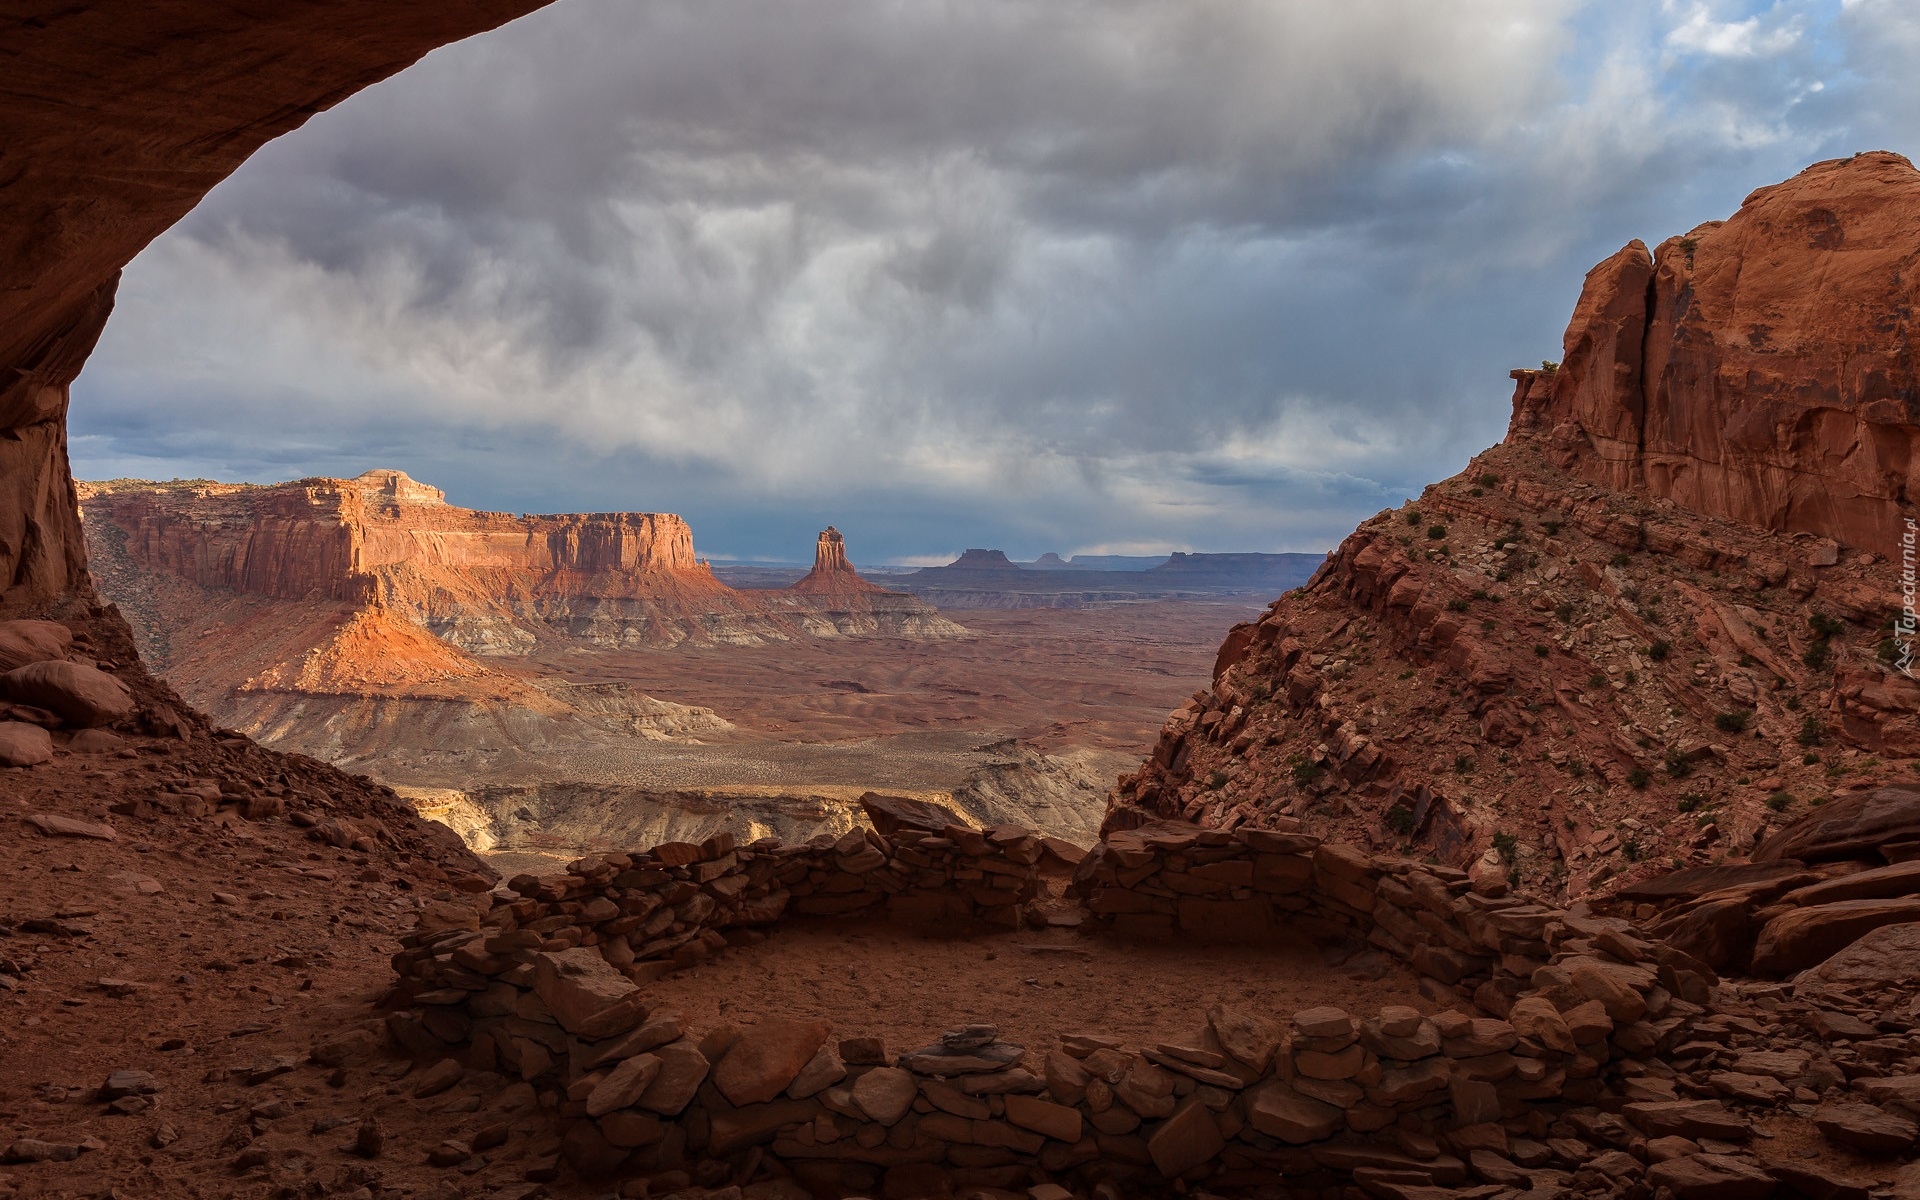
x: 1757, y: 369
x: 1651, y: 625
x: 120, y: 116
x: 492, y: 584
x: 833, y: 600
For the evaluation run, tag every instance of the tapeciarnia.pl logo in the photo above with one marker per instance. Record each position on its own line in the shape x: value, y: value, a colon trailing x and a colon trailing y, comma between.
x: 1905, y: 624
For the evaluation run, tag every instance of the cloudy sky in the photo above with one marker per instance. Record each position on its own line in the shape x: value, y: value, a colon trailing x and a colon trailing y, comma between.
x: 1073, y: 275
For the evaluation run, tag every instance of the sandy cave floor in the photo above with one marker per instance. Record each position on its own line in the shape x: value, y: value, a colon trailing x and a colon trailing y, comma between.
x: 871, y: 978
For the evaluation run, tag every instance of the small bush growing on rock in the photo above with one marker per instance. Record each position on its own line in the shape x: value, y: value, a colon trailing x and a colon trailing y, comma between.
x: 1824, y: 626
x: 1678, y: 765
x: 1489, y: 479
x: 1506, y: 844
x: 1541, y: 651
x: 1747, y: 660
x: 1578, y: 769
x: 1217, y: 780
x: 1400, y: 819
x: 1811, y: 734
x: 1552, y: 528
x: 1638, y: 778
x: 1809, y: 759
x: 1621, y: 559
x: 1733, y: 722
x: 1549, y: 366
x: 1659, y: 650
x: 1463, y: 764
x: 1779, y: 801
x: 1690, y: 801
x: 1457, y: 604
x: 1481, y: 594
x: 1306, y: 771
x: 1817, y: 654
x: 1630, y: 850
x: 1436, y: 533
x: 1596, y: 680
x: 1413, y: 516
x: 1564, y: 610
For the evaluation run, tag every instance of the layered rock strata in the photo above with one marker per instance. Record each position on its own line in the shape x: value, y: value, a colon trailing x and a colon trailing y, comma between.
x: 120, y: 116
x: 1587, y: 656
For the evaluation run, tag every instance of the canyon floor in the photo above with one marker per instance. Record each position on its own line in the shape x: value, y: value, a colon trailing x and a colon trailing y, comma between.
x: 1029, y: 719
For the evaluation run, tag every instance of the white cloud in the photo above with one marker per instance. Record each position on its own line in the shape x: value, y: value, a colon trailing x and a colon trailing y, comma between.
x: 1088, y: 271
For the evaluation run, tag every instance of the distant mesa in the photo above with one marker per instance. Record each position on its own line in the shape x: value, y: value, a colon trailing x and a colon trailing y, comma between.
x: 989, y: 579
x: 983, y: 560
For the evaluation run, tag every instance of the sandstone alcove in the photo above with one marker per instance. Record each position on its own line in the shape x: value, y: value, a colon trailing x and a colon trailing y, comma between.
x: 119, y: 117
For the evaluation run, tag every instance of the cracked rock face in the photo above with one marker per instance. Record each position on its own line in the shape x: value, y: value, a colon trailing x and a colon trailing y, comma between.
x: 1756, y: 369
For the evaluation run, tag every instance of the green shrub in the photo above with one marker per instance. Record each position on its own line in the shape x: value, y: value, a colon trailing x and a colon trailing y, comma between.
x: 1811, y: 731
x: 1678, y: 765
x: 1305, y: 772
x: 1507, y: 845
x: 1542, y: 651
x: 1779, y: 801
x: 1552, y: 528
x: 1564, y: 610
x: 1458, y: 604
x: 1733, y: 722
x: 1596, y: 680
x: 1659, y: 650
x: 1630, y: 850
x: 1436, y: 533
x: 1217, y: 780
x: 1413, y: 516
x: 1621, y: 559
x: 1463, y: 764
x: 1817, y: 654
x: 1400, y: 819
x: 1489, y: 479
x: 1825, y: 627
x: 1638, y: 778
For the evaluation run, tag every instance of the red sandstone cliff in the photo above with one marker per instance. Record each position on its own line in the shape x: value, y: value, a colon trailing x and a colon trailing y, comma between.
x: 119, y: 116
x: 490, y: 583
x: 1760, y: 368
x: 1654, y: 622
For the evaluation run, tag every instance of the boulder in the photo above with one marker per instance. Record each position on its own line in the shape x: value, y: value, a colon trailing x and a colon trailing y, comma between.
x: 1688, y: 1119
x: 1853, y: 827
x: 579, y: 985
x: 1691, y: 883
x: 1888, y: 956
x: 1880, y: 883
x: 1796, y: 940
x: 82, y: 696
x: 1278, y: 1111
x: 682, y: 1070
x: 23, y: 642
x: 1865, y: 1128
x: 765, y: 1058
x: 1719, y: 933
x: 891, y: 814
x: 885, y: 1093
x: 1711, y: 1177
x: 1185, y: 1140
x: 23, y: 745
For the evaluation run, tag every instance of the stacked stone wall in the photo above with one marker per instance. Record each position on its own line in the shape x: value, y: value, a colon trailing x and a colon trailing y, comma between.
x: 548, y: 988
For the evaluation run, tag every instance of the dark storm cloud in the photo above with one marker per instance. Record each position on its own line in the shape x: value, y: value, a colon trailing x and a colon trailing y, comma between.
x: 1214, y: 273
